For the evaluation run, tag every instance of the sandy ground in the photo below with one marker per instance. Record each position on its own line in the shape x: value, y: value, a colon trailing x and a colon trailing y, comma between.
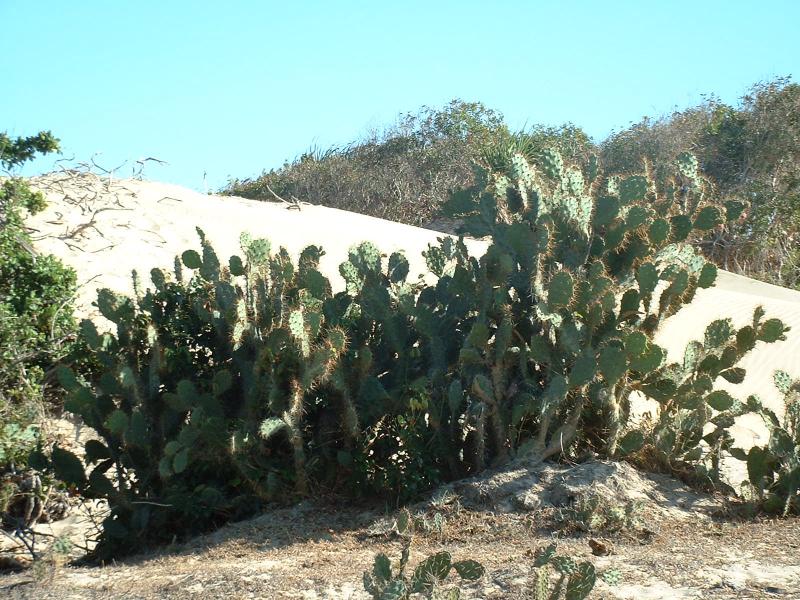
x: 684, y: 546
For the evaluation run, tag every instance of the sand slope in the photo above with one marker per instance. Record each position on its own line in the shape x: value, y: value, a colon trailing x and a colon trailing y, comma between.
x: 105, y: 228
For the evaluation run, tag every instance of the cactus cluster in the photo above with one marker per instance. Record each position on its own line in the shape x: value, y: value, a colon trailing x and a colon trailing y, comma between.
x: 579, y: 275
x: 203, y: 383
x: 575, y: 581
x: 226, y: 386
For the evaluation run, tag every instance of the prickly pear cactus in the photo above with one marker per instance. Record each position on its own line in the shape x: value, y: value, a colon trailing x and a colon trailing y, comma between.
x: 383, y: 582
x: 693, y: 424
x: 774, y: 470
x: 577, y: 279
x: 208, y: 387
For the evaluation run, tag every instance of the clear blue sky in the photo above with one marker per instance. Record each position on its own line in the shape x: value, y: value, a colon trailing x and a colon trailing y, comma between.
x: 231, y: 88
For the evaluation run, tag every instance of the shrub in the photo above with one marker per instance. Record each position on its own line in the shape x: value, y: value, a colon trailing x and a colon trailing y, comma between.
x: 36, y: 331
x: 35, y: 315
x: 407, y: 172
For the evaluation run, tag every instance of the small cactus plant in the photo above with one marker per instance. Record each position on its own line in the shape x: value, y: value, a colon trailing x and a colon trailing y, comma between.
x: 575, y: 581
x: 385, y: 583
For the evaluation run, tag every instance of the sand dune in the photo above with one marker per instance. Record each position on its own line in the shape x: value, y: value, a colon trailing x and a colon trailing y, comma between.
x: 105, y: 228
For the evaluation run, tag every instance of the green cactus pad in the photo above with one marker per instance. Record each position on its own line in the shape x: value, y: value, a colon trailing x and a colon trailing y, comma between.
x: 396, y: 590
x: 560, y: 289
x: 681, y: 227
x: 469, y: 570
x: 659, y: 231
x: 606, y: 210
x: 68, y: 467
x: 708, y: 218
x: 270, y: 427
x: 772, y: 330
x: 191, y: 259
x: 648, y: 361
x: 584, y: 369
x: 719, y: 400
x: 632, y: 189
x: 636, y: 217
x: 635, y: 344
x: 718, y: 333
x: 382, y: 569
x: 783, y: 381
x: 552, y: 163
x: 581, y: 583
x: 398, y: 267
x: 708, y: 275
x: 687, y: 165
x: 733, y: 210
x: 612, y: 363
x: 629, y: 305
x: 430, y: 571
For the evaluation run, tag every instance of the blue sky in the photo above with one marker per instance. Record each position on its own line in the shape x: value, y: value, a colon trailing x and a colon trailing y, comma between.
x: 231, y: 88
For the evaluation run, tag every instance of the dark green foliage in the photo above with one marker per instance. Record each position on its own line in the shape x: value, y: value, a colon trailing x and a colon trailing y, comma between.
x: 35, y: 313
x: 36, y: 331
x: 16, y: 152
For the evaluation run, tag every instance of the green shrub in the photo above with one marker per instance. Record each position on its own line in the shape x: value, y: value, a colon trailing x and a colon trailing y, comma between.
x: 406, y: 173
x: 35, y: 313
x: 36, y: 332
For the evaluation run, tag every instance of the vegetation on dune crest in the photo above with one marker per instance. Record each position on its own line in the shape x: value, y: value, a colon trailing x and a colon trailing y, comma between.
x: 749, y: 152
x: 752, y: 153
x: 407, y: 172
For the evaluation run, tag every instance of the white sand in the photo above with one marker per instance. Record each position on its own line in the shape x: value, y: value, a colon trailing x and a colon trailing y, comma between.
x: 142, y: 225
